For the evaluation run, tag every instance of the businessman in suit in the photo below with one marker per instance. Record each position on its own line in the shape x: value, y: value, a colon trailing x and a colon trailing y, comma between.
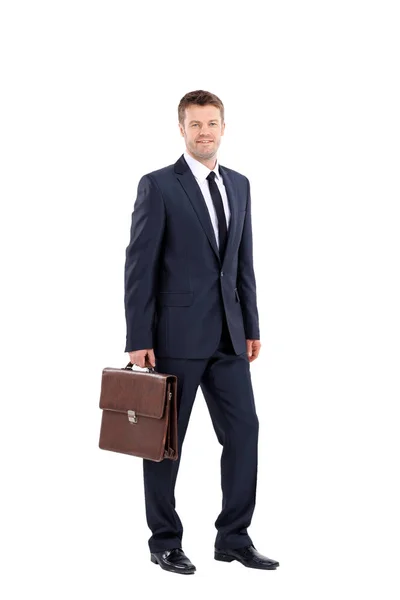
x: 191, y: 310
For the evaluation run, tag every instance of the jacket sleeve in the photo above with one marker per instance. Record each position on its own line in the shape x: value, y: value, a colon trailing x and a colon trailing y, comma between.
x: 141, y: 264
x: 246, y: 282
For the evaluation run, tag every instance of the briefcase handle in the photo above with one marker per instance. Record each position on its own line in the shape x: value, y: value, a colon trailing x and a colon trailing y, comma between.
x: 149, y: 369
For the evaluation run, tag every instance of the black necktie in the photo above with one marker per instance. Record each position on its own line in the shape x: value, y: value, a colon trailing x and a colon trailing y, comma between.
x: 219, y: 208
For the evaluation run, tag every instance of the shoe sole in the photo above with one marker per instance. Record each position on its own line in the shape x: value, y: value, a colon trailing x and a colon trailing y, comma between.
x: 227, y: 558
x: 172, y: 569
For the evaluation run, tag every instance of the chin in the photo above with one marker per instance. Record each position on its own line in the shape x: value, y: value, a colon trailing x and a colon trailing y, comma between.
x: 205, y: 153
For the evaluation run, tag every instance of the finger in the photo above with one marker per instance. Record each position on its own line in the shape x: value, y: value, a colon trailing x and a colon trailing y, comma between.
x: 141, y: 361
x: 152, y: 358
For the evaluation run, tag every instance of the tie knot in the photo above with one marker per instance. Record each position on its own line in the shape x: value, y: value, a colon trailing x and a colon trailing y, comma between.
x: 211, y: 176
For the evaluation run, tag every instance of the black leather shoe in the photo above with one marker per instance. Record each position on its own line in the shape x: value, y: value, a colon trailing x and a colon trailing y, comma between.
x: 174, y: 560
x: 248, y: 556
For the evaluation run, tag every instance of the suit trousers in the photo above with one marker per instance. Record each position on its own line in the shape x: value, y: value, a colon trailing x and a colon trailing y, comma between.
x: 225, y: 382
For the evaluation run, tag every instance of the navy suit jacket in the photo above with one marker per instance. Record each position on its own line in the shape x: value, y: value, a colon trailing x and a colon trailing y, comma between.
x: 176, y: 287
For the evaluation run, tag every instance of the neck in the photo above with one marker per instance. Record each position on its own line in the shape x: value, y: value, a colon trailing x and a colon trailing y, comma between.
x: 208, y: 162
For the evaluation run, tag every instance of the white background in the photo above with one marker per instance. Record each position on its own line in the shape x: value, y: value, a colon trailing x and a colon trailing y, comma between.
x: 89, y: 101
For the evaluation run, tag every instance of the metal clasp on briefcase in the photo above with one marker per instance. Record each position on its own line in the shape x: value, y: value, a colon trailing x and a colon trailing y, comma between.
x: 132, y: 416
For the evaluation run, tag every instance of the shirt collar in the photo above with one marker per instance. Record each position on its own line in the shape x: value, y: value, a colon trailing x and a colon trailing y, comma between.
x: 199, y: 170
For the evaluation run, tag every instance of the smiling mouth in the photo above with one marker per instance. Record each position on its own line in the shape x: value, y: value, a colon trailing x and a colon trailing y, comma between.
x: 205, y: 142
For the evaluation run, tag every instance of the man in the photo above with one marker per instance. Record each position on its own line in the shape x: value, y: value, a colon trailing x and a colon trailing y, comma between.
x: 190, y: 305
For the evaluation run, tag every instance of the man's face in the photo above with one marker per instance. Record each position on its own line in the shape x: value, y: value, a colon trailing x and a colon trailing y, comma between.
x: 202, y: 123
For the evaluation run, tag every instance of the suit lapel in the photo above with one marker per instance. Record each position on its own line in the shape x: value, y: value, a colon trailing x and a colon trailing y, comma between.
x: 193, y: 191
x: 231, y: 193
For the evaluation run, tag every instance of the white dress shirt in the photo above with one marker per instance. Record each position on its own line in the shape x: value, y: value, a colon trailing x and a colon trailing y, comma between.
x: 200, y: 173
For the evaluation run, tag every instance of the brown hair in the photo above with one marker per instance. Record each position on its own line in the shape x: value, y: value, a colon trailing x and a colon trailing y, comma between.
x: 199, y: 97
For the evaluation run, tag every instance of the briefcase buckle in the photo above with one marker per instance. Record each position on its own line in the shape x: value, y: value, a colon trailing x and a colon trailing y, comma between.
x: 132, y: 416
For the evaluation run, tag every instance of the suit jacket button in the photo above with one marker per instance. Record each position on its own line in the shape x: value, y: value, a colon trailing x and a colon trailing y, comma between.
x: 222, y: 273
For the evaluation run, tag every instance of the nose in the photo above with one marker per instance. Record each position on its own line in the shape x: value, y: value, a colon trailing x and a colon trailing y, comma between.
x: 206, y: 131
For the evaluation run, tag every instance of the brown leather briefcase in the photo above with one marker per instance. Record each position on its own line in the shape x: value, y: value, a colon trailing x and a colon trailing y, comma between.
x: 139, y: 413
